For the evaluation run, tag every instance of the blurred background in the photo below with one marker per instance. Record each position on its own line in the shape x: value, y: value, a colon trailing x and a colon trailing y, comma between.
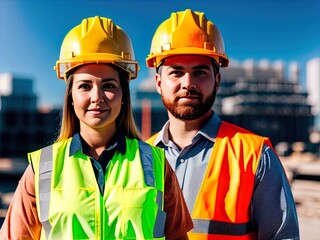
x: 271, y: 87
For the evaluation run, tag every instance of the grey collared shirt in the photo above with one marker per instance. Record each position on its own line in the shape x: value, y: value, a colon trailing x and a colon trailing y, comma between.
x: 273, y: 208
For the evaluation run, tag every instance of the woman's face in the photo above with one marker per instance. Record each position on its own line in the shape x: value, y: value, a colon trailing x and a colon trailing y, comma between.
x: 96, y: 97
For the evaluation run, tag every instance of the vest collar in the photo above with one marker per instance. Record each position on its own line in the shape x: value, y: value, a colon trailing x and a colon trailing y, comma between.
x: 77, y: 145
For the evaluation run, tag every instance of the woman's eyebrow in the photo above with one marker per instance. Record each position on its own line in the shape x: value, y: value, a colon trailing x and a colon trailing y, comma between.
x: 108, y: 79
x: 83, y: 81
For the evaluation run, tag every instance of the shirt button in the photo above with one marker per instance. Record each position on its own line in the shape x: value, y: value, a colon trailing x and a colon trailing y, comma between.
x: 182, y: 161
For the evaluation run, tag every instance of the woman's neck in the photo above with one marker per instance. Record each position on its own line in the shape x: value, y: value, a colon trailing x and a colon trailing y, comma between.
x: 98, y: 140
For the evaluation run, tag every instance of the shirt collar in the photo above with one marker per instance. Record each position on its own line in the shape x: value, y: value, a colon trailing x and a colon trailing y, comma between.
x: 77, y: 145
x: 209, y: 131
x: 211, y: 128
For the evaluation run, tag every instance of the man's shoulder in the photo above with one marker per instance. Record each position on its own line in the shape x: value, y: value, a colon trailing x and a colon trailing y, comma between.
x: 152, y: 138
x: 227, y: 126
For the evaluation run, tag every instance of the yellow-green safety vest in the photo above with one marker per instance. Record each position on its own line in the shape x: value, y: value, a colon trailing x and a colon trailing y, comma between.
x: 70, y: 205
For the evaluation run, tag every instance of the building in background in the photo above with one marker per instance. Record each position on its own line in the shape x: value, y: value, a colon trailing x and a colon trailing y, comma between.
x: 260, y: 97
x: 255, y: 95
x: 313, y: 88
x: 17, y: 93
x: 23, y: 127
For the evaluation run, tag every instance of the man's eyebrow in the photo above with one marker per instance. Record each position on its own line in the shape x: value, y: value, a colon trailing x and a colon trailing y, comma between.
x: 202, y: 66
x: 197, y: 67
x: 175, y: 67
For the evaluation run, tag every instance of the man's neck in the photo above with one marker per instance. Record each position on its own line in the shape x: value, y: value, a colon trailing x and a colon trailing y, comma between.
x: 181, y: 132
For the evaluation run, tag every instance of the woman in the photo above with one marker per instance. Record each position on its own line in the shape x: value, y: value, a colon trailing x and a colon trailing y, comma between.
x: 98, y: 180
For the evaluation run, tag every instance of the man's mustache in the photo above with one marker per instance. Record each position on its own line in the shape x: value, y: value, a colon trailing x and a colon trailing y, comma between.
x: 188, y: 93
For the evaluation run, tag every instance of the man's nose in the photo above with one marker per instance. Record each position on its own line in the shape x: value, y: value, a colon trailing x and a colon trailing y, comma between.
x: 187, y: 81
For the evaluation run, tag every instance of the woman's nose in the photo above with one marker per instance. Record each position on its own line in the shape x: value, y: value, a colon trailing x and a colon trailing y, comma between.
x: 97, y: 95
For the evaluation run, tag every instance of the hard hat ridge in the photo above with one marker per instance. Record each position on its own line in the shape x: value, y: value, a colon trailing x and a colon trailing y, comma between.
x: 189, y: 26
x: 187, y: 32
x: 99, y: 27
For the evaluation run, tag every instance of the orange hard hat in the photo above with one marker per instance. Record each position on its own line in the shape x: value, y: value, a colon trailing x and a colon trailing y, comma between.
x: 184, y: 33
x: 96, y: 40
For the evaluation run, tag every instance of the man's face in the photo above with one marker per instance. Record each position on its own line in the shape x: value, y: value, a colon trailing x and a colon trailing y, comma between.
x: 187, y: 85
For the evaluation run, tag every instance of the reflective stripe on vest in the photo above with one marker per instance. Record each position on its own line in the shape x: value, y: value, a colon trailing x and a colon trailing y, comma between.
x: 216, y: 227
x: 45, y: 176
x: 45, y: 172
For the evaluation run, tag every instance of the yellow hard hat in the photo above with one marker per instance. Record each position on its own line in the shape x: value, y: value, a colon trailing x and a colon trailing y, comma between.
x: 184, y: 33
x: 96, y: 40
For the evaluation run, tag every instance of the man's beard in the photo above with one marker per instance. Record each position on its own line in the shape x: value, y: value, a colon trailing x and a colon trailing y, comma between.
x: 191, y: 110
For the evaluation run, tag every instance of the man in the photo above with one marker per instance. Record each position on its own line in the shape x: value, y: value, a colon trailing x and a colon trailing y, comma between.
x: 232, y: 180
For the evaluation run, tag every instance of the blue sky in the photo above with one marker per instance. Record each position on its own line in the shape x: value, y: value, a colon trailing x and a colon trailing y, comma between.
x: 31, y: 32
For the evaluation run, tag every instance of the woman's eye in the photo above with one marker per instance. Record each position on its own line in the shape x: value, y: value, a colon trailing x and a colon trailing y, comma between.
x: 84, y: 86
x: 109, y: 86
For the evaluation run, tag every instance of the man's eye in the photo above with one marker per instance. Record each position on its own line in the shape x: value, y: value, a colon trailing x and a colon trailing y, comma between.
x: 176, y: 73
x: 200, y: 73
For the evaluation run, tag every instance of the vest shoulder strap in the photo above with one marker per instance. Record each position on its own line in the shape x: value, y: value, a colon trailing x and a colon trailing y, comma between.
x: 147, y: 163
x: 152, y: 138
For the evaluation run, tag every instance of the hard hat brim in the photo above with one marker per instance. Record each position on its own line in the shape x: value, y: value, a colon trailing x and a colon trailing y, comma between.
x: 63, y: 67
x: 154, y: 60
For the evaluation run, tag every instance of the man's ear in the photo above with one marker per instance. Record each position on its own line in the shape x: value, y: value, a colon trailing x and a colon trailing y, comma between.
x: 158, y: 82
x: 217, y: 82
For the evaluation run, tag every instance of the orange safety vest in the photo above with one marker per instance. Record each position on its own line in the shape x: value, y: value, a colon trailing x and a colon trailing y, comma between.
x: 222, y: 207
